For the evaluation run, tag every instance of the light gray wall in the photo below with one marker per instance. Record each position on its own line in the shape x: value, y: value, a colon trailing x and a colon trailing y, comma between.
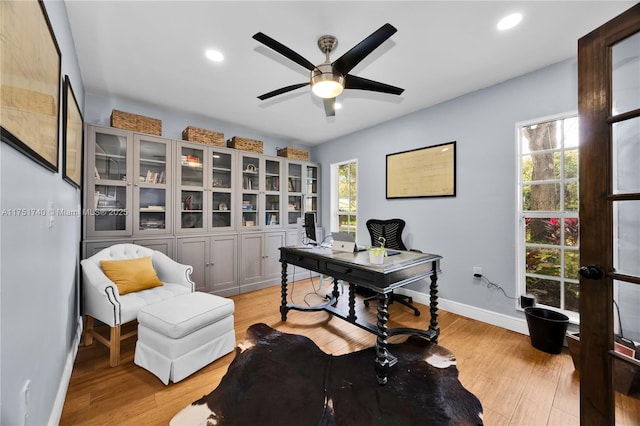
x: 39, y: 298
x: 99, y: 107
x: 478, y: 226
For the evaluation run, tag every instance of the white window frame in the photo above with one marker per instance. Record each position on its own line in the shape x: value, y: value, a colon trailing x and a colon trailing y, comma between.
x: 522, y: 215
x: 335, y: 208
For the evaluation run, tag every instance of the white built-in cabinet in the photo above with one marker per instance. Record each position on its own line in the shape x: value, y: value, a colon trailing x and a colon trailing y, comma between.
x: 129, y: 184
x: 214, y: 260
x: 223, y: 211
x: 260, y: 259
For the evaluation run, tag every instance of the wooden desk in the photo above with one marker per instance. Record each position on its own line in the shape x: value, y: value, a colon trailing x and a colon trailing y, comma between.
x: 355, y: 268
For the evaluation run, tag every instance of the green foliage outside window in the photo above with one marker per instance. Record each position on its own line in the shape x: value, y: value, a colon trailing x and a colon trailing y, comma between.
x: 549, y: 166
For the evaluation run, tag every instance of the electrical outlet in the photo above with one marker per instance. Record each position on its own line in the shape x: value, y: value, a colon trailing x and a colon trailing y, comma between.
x: 477, y: 271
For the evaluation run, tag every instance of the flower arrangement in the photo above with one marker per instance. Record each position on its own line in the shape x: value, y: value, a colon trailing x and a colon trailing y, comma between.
x: 377, y: 253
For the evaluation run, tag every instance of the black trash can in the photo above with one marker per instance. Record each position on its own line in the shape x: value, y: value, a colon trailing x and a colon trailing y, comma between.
x: 547, y: 329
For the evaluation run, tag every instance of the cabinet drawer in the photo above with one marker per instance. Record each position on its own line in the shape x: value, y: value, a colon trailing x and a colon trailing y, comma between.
x: 302, y: 261
x: 347, y: 273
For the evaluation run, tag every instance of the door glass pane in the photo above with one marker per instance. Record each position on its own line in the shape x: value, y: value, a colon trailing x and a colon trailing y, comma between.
x: 627, y: 298
x: 221, y: 215
x: 272, y: 209
x: 272, y: 175
x: 191, y: 167
x: 152, y: 208
x: 626, y: 68
x: 111, y: 157
x: 191, y: 209
x: 312, y: 180
x: 295, y: 178
x: 250, y: 173
x: 626, y: 153
x: 626, y: 231
x: 294, y: 209
x: 250, y: 210
x: 221, y: 172
x: 153, y: 161
x: 111, y: 208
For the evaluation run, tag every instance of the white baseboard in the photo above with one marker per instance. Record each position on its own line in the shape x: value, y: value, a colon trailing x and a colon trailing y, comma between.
x: 56, y: 411
x: 518, y: 325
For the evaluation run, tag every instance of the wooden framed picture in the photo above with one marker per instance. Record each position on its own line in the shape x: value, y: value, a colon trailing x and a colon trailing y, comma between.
x: 72, y: 136
x: 423, y: 172
x: 30, y: 84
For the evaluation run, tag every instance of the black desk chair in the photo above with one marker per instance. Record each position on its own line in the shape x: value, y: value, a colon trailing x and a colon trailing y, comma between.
x: 391, y: 231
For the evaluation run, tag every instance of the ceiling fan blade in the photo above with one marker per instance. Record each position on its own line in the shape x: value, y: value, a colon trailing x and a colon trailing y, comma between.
x: 329, y: 106
x: 354, y: 82
x: 346, y: 62
x: 282, y: 90
x: 283, y: 50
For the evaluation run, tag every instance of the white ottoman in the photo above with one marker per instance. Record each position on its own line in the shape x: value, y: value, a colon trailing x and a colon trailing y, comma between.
x: 179, y: 336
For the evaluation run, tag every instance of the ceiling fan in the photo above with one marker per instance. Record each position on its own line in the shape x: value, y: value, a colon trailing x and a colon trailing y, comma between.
x: 329, y: 79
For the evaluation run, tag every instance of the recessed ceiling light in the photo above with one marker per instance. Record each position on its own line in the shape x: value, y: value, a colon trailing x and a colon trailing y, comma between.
x: 509, y: 21
x: 214, y: 55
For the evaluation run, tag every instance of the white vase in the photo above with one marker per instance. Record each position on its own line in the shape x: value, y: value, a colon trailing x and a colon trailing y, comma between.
x: 376, y: 256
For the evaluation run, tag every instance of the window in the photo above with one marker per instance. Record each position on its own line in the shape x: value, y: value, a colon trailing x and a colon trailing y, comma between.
x: 548, y: 238
x: 344, y: 197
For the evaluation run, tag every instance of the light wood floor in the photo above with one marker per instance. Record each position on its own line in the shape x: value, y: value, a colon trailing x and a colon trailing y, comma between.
x: 517, y: 384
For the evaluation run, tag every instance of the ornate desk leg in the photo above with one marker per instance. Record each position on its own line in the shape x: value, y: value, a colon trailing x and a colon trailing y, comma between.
x: 283, y: 304
x: 433, y: 304
x: 352, y: 303
x: 382, y: 355
x: 336, y: 292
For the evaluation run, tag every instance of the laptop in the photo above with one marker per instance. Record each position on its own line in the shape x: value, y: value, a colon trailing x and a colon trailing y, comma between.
x: 343, y: 241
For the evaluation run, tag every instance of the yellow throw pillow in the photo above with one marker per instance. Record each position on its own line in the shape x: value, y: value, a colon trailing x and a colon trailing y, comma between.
x: 131, y: 274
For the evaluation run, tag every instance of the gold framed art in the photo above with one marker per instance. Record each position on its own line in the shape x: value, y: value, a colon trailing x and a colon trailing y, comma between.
x: 72, y: 136
x: 30, y: 84
x: 422, y: 172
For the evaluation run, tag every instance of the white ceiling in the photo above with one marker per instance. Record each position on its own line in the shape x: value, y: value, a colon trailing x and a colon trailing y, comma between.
x: 153, y: 52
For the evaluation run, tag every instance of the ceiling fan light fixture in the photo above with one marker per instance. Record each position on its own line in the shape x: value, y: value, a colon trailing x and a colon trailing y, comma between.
x: 325, y: 83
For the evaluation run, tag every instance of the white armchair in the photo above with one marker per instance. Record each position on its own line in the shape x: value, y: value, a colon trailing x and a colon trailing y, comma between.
x: 103, y: 302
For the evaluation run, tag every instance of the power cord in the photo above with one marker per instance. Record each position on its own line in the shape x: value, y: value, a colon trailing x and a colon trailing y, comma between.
x: 492, y: 285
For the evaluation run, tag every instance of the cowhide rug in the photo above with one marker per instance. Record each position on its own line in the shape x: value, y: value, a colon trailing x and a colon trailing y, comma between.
x: 285, y: 379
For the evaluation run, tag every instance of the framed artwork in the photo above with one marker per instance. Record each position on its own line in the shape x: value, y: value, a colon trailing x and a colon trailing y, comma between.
x: 30, y: 85
x: 72, y: 136
x: 422, y: 172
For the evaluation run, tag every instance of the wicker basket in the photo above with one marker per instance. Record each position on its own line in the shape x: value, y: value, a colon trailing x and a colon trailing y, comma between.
x: 296, y: 153
x: 135, y: 122
x: 196, y: 134
x: 245, y: 144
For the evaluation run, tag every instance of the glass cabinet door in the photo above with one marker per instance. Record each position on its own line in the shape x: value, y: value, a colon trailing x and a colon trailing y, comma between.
x: 272, y: 204
x: 311, y: 190
x: 222, y: 208
x: 151, y: 193
x: 109, y: 203
x: 250, y: 166
x: 294, y: 193
x: 192, y: 188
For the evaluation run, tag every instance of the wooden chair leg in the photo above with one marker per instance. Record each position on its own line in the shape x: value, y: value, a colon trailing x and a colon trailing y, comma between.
x: 114, y: 347
x: 88, y: 331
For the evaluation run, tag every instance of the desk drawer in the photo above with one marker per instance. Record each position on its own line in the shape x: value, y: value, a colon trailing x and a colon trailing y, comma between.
x: 347, y: 273
x: 302, y: 261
